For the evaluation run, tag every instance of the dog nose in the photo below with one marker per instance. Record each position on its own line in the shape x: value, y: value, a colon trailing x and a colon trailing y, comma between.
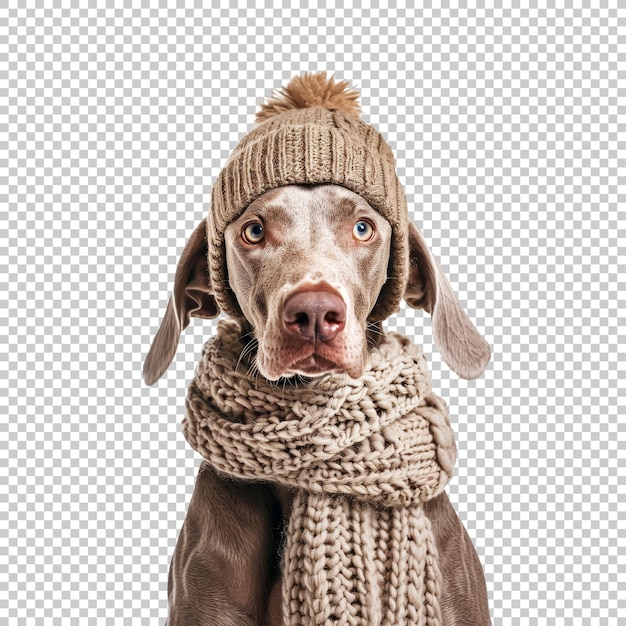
x: 314, y: 315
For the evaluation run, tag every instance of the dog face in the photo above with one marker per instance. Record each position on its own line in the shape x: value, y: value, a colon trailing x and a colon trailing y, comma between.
x: 306, y: 264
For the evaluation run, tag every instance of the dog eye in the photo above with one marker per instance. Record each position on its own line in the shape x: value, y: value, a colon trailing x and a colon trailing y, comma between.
x: 363, y: 231
x: 253, y: 233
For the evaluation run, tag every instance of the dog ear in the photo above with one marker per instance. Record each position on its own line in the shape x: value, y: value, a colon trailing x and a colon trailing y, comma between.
x: 192, y: 297
x: 460, y: 344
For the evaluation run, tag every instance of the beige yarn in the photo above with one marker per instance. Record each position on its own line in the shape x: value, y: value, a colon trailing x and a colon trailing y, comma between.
x: 362, y: 455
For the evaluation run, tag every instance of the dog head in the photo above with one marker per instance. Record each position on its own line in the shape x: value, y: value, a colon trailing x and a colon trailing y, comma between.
x: 308, y: 242
x: 307, y: 265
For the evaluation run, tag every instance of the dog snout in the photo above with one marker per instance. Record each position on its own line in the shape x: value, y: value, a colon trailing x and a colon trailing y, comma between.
x: 314, y: 315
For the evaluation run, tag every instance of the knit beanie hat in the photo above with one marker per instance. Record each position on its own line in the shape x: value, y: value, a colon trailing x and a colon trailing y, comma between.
x: 310, y: 132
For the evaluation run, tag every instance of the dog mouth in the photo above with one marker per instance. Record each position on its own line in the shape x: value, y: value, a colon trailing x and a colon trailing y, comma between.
x: 314, y: 365
x: 286, y: 358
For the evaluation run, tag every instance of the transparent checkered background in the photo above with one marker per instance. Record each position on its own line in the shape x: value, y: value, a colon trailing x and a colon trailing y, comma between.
x: 114, y: 123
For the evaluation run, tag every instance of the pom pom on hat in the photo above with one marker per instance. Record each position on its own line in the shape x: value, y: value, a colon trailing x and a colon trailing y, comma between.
x: 310, y: 90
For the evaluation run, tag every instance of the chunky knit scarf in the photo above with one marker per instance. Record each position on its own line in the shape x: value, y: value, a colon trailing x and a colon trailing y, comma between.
x: 362, y: 456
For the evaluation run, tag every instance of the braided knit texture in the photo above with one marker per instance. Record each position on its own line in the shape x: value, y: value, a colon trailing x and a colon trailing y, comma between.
x: 361, y: 455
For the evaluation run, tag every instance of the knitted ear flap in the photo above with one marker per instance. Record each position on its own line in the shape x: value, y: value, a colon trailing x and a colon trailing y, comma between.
x: 460, y: 344
x: 192, y: 297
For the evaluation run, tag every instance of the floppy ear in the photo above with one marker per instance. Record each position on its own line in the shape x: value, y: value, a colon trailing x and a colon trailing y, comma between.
x: 192, y: 296
x: 460, y: 344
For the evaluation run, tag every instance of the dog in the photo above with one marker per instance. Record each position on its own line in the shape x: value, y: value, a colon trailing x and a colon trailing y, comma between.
x: 306, y: 264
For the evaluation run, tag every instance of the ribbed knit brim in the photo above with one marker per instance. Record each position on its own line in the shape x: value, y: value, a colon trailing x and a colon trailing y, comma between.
x: 308, y: 146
